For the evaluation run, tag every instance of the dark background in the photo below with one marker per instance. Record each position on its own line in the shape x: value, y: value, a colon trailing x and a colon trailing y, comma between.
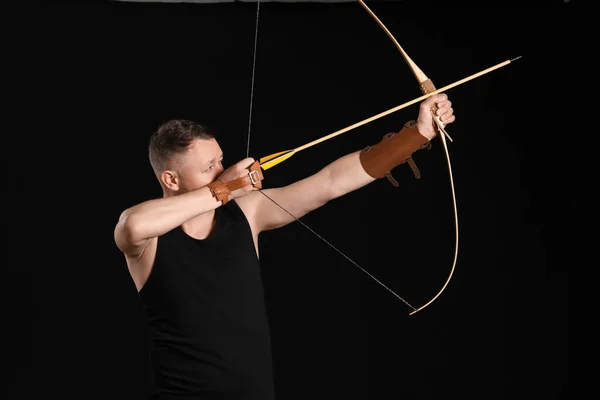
x: 101, y: 78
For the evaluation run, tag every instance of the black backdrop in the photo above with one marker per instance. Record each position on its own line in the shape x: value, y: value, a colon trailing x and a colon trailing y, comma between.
x: 109, y: 73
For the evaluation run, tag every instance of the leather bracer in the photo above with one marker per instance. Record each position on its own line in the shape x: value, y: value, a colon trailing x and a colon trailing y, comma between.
x: 222, y: 190
x: 394, y: 149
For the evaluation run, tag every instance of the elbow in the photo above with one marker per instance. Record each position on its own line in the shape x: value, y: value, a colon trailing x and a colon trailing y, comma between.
x: 128, y: 230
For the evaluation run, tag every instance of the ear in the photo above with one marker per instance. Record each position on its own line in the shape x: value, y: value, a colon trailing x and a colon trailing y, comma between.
x: 170, y: 179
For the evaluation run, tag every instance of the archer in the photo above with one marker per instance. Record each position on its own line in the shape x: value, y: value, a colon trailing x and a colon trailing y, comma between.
x: 193, y: 254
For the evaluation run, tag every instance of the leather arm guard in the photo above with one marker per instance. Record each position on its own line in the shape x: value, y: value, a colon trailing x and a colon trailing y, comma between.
x: 222, y: 190
x: 394, y: 149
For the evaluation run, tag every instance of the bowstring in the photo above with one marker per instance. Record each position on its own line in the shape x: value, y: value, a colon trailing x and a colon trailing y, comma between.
x: 252, y: 84
x: 279, y: 205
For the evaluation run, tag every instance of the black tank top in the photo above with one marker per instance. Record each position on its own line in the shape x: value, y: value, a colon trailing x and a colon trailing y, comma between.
x: 207, y: 320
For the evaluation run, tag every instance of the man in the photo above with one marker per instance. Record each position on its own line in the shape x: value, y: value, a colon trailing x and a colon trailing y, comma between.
x: 193, y: 254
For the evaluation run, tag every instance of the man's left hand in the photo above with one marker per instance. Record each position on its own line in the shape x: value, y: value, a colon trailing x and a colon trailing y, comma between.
x: 442, y: 107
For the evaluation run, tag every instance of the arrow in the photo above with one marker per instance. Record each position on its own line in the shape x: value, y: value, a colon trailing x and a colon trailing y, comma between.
x: 279, y: 157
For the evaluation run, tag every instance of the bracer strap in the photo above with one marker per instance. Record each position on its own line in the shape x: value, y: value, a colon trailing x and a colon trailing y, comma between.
x: 254, y: 178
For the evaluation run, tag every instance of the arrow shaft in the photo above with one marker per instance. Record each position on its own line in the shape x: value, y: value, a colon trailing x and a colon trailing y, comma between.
x: 401, y: 106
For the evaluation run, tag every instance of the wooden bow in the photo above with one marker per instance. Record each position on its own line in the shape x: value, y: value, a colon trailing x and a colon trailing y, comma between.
x: 428, y: 89
x: 426, y: 86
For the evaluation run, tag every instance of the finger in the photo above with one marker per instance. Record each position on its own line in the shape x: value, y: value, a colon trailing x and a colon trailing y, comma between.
x: 443, y: 110
x: 438, y: 98
x: 443, y: 107
x: 447, y: 118
x: 432, y: 102
x: 246, y: 162
x: 446, y: 114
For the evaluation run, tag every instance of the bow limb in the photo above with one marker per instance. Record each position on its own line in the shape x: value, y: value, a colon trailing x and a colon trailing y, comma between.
x: 425, y: 83
x: 426, y: 86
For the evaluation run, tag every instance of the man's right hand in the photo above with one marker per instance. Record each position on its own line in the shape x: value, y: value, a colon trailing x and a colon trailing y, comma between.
x: 236, y: 171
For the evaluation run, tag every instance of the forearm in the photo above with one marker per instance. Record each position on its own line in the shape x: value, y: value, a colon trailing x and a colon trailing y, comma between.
x: 156, y: 217
x: 346, y: 174
x: 362, y: 167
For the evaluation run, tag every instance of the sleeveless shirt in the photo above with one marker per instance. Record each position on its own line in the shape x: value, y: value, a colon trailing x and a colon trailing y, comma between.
x: 207, y: 319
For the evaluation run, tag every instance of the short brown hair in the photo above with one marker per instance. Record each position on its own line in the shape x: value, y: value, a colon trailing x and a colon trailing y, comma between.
x: 173, y: 137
